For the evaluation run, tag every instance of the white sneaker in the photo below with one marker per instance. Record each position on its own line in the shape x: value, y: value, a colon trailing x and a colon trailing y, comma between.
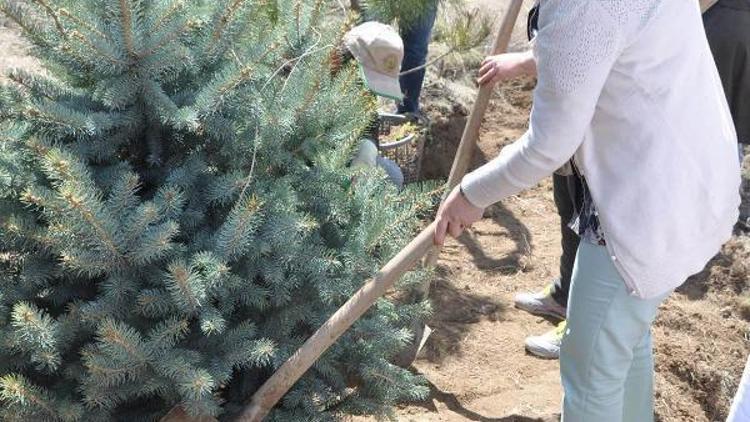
x: 540, y: 303
x: 548, y: 344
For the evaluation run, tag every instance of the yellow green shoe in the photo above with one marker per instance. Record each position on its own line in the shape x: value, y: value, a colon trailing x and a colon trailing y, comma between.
x: 548, y: 344
x: 540, y: 303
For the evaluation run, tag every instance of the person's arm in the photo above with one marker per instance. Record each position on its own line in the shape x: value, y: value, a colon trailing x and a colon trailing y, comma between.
x: 576, y: 47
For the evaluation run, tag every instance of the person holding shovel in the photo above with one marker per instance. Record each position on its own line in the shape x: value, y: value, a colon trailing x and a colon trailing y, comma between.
x: 631, y: 92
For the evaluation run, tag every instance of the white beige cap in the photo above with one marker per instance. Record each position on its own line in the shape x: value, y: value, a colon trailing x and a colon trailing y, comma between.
x: 379, y: 50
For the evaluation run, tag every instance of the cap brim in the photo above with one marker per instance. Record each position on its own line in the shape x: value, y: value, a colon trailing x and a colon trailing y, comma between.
x: 381, y: 84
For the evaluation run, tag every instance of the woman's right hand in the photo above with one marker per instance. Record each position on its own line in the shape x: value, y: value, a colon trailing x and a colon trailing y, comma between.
x: 503, y: 67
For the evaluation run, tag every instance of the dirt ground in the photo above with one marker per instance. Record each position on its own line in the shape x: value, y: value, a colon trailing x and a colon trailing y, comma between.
x: 475, y: 361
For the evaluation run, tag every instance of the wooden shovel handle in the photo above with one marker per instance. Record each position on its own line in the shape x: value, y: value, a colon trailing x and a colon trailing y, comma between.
x: 470, y: 135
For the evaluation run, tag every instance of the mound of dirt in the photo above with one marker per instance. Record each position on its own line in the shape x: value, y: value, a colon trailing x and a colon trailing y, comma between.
x: 448, y: 103
x: 701, y: 339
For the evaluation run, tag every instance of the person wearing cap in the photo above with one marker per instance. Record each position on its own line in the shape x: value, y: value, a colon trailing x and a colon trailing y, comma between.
x: 631, y: 92
x: 378, y: 50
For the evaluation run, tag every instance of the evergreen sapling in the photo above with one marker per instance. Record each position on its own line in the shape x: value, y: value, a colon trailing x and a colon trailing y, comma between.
x: 177, y: 214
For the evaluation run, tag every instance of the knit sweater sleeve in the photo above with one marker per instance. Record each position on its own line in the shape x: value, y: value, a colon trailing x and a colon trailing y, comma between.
x: 576, y: 46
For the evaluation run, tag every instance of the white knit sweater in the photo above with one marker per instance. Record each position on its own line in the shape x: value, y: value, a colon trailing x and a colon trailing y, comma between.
x: 740, y: 410
x: 629, y: 87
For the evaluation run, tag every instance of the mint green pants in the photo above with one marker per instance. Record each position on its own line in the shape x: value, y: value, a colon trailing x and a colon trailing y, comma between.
x: 606, y: 361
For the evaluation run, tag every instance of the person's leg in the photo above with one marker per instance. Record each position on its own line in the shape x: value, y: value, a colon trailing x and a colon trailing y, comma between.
x: 603, y: 341
x: 567, y: 191
x: 639, y: 386
x: 553, y: 299
x: 416, y: 38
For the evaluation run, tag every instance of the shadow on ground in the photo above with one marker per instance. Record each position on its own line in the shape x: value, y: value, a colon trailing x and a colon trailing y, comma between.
x: 455, y: 311
x: 454, y: 405
x: 510, y: 262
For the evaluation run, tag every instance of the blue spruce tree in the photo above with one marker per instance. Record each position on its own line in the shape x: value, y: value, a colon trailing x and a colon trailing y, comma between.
x: 177, y: 215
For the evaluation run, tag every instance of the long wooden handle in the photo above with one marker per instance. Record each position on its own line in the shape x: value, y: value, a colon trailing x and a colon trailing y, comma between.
x: 280, y: 382
x: 470, y: 135
x: 469, y: 138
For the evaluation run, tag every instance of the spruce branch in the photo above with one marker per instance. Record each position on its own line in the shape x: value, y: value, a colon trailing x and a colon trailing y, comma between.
x: 55, y: 17
x: 309, y: 51
x: 224, y: 20
x: 297, y: 9
x: 166, y: 334
x: 26, y: 20
x: 165, y: 40
x: 249, y: 179
x: 185, y: 286
x: 77, y: 192
x: 37, y: 332
x: 115, y: 336
x: 79, y: 204
x: 126, y: 21
x: 233, y: 237
x: 156, y: 243
x: 26, y: 80
x: 16, y: 389
x: 291, y: 61
x: 210, y: 97
x: 175, y: 7
x: 85, y: 41
x: 83, y: 24
x: 105, y: 372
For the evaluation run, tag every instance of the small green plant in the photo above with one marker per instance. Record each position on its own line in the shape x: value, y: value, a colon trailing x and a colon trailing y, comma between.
x: 463, y: 29
x: 460, y: 36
